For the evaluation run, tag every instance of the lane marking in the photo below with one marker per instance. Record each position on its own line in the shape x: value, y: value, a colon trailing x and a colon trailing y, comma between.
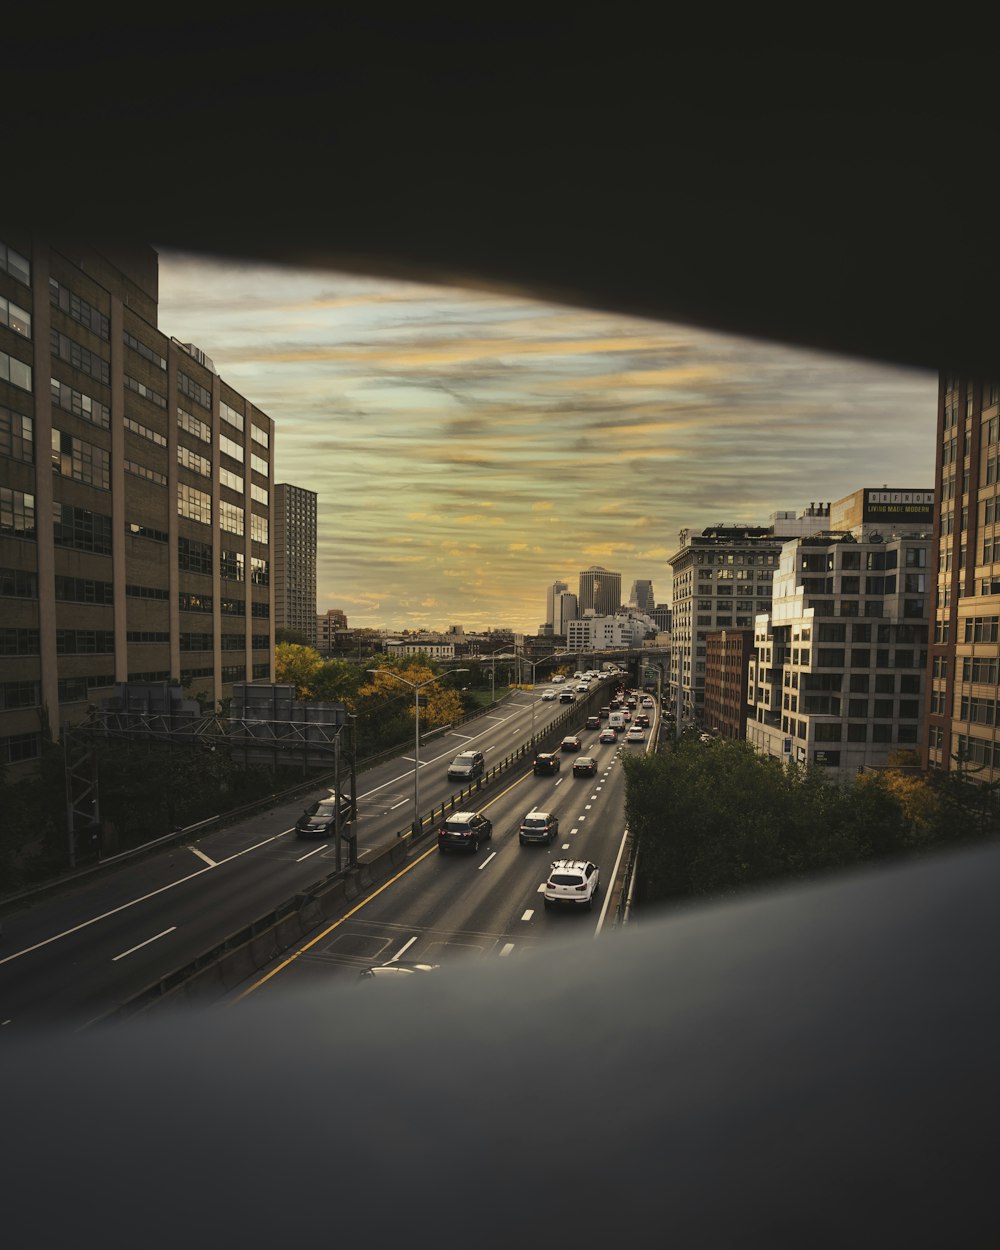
x: 587, y: 807
x: 399, y: 804
x: 614, y: 878
x: 309, y: 854
x: 572, y: 831
x: 559, y: 781
x: 530, y: 912
x: 565, y: 846
x: 132, y: 949
x: 201, y: 855
x: 141, y: 899
x: 540, y: 888
x: 3, y: 1022
x: 581, y: 817
x: 504, y: 950
x: 364, y: 903
x: 405, y: 947
x: 492, y: 855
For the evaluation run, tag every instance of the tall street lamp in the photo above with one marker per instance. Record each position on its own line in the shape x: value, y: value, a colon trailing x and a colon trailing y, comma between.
x: 493, y: 672
x: 532, y: 664
x: 416, y: 687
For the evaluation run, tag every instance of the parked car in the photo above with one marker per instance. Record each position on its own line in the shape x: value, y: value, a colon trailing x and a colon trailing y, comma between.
x: 319, y: 820
x: 570, y: 743
x: 466, y: 766
x: 464, y: 831
x: 546, y: 762
x: 574, y: 882
x: 538, y: 827
x: 593, y: 722
x: 608, y: 735
x: 585, y: 766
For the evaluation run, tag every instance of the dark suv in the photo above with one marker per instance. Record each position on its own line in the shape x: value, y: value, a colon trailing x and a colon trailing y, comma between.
x: 546, y: 762
x: 464, y: 831
x: 320, y: 819
x: 467, y: 766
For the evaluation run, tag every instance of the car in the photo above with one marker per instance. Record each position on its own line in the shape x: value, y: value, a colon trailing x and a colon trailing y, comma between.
x: 546, y: 762
x: 582, y: 687
x: 647, y: 701
x: 558, y: 679
x: 605, y: 712
x: 320, y: 819
x: 631, y: 701
x: 567, y: 696
x: 575, y: 882
x: 608, y: 735
x: 538, y: 827
x: 593, y: 722
x: 393, y: 969
x: 642, y: 719
x: 585, y: 766
x: 635, y: 733
x: 464, y: 830
x: 549, y: 695
x: 467, y: 766
x: 570, y: 743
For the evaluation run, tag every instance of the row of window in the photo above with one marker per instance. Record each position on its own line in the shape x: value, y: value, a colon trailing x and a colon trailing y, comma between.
x: 17, y: 435
x: 79, y: 357
x: 80, y: 404
x: 81, y: 310
x: 147, y: 392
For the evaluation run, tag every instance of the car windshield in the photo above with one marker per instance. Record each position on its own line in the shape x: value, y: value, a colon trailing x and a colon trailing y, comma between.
x: 565, y: 878
x: 323, y: 808
x: 456, y: 826
x: 535, y: 822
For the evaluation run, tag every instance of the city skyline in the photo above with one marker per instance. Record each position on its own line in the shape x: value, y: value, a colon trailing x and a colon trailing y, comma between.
x: 470, y: 449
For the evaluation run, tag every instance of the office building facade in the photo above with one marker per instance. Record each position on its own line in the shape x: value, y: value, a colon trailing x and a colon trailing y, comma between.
x: 963, y: 698
x: 600, y: 592
x: 135, y: 494
x: 721, y: 580
x: 839, y: 670
x: 727, y: 662
x: 294, y: 514
x: 641, y: 596
x: 327, y: 625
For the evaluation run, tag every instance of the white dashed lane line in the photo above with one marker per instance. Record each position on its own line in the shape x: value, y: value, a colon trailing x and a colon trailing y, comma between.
x: 492, y: 855
x: 529, y: 913
x: 506, y: 949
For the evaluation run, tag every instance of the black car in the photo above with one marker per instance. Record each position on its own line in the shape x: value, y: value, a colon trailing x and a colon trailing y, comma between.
x: 585, y: 766
x: 320, y: 820
x: 592, y: 722
x: 464, y: 831
x: 571, y: 743
x: 546, y: 762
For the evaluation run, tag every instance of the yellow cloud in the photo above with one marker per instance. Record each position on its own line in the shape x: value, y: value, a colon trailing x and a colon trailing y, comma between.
x: 543, y: 505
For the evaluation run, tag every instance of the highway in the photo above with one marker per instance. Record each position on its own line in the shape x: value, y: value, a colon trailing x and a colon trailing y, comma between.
x: 70, y: 959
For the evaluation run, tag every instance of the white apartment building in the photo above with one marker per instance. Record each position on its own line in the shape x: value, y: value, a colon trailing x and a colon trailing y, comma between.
x: 722, y: 580
x: 411, y: 646
x: 838, y: 674
x: 599, y: 632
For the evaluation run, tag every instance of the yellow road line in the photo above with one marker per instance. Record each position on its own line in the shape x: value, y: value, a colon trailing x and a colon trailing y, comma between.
x: 364, y: 902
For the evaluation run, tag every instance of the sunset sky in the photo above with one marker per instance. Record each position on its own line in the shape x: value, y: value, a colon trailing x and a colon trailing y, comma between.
x: 468, y: 450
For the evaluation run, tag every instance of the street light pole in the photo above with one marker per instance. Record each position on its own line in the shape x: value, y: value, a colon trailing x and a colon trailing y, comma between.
x: 416, y: 687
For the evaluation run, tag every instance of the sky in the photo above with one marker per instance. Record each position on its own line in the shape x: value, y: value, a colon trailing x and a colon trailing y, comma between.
x: 470, y: 449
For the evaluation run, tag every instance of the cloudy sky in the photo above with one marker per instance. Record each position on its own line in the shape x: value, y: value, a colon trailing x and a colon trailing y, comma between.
x: 468, y: 450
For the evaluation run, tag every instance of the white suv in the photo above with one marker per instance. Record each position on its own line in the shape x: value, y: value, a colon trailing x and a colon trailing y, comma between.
x: 572, y: 881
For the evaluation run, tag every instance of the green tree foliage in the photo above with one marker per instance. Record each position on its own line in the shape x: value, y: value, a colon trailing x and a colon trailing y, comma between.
x: 440, y: 704
x: 714, y: 818
x: 298, y: 666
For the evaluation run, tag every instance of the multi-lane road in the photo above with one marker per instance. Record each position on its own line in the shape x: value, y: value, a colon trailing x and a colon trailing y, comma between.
x: 73, y: 958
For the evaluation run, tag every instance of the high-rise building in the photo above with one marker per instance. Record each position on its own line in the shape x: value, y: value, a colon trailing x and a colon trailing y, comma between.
x: 600, y: 592
x: 135, y: 492
x: 727, y: 662
x: 721, y: 580
x: 566, y: 609
x: 661, y: 617
x: 963, y: 726
x: 551, y: 602
x: 295, y: 560
x: 838, y: 674
x: 642, y: 597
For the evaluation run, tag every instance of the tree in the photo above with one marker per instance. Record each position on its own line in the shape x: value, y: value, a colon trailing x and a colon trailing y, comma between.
x: 297, y: 666
x: 439, y: 705
x: 295, y: 636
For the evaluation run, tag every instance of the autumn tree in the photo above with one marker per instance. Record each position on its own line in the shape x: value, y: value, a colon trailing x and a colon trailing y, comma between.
x: 297, y: 666
x: 439, y: 704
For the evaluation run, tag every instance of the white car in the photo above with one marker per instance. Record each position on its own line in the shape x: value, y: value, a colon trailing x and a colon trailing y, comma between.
x: 394, y: 970
x: 635, y: 734
x: 574, y: 882
x: 549, y: 695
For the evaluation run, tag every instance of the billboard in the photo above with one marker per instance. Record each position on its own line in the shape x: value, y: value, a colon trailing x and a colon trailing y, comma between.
x: 909, y: 506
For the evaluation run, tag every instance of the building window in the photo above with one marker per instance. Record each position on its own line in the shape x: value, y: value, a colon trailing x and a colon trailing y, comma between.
x: 15, y: 264
x: 194, y: 557
x: 194, y: 426
x: 79, y: 309
x: 136, y: 530
x: 152, y: 436
x: 17, y: 436
x: 194, y: 504
x: 85, y: 641
x: 15, y: 371
x: 14, y: 317
x: 17, y: 748
x: 191, y: 460
x: 75, y: 354
x: 189, y: 387
x: 83, y: 590
x: 83, y: 462
x: 17, y: 513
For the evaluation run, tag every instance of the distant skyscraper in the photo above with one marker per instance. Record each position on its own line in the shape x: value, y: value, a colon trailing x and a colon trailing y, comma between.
x: 565, y: 610
x: 295, y: 559
x: 600, y: 591
x: 551, y: 602
x: 642, y: 596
